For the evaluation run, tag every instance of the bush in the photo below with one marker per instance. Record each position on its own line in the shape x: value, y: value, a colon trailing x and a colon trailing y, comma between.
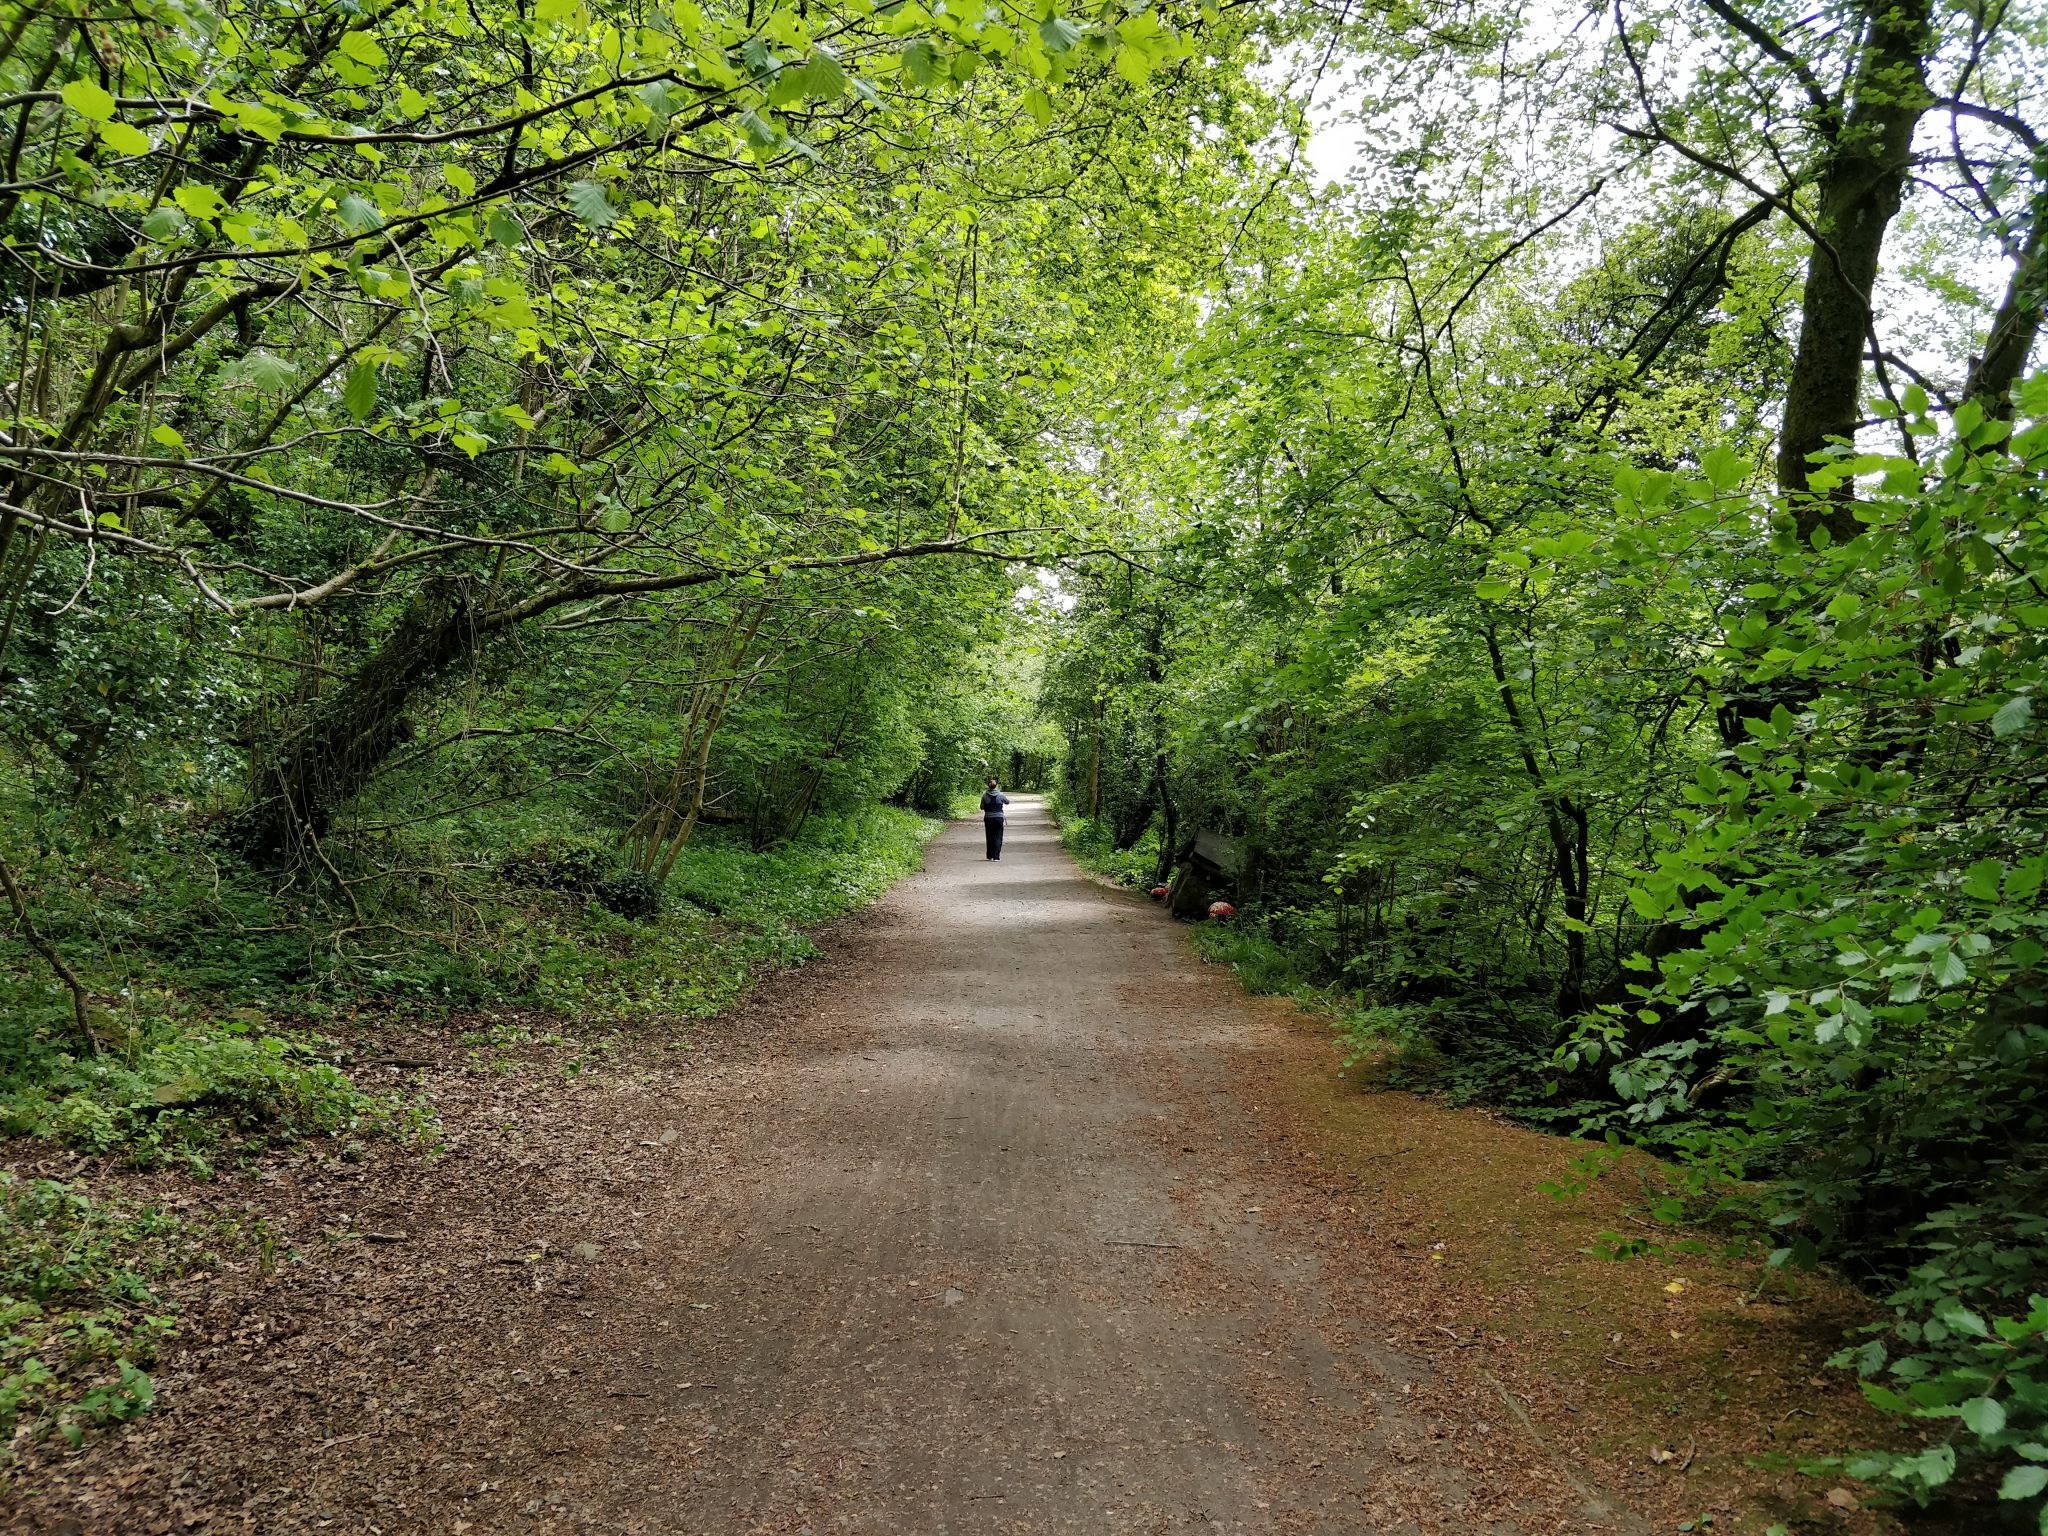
x: 186, y: 1090
x: 553, y: 862
x: 1261, y: 964
x: 631, y: 895
x: 1091, y: 843
x: 727, y: 913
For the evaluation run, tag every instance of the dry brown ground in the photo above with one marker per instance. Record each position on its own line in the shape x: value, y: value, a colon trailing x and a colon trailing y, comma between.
x: 1008, y: 1215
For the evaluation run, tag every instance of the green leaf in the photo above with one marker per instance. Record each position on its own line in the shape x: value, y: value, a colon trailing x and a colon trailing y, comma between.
x: 267, y: 371
x: 163, y: 223
x: 1058, y: 34
x: 1982, y: 880
x: 124, y: 139
x: 1038, y: 105
x: 359, y: 394
x: 364, y: 49
x: 1961, y: 1318
x: 921, y: 63
x: 587, y: 201
x: 358, y: 214
x: 2013, y: 716
x: 1844, y: 605
x: 1985, y: 1416
x: 1724, y: 467
x: 505, y: 229
x: 824, y: 77
x: 199, y: 200
x: 251, y: 117
x: 88, y: 100
x: 2023, y: 1483
x: 1133, y: 65
x: 169, y: 436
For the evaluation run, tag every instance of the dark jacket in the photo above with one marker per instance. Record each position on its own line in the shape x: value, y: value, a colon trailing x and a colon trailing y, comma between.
x: 992, y: 805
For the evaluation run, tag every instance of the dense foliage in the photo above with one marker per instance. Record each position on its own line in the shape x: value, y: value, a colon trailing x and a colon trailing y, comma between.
x: 1595, y: 575
x: 448, y: 442
x: 491, y: 489
x: 495, y: 499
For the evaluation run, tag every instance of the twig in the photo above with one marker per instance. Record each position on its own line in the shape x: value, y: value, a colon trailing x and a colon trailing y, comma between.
x: 81, y: 1011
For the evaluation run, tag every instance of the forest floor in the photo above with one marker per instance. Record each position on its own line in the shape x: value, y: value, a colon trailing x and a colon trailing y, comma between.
x: 1006, y: 1215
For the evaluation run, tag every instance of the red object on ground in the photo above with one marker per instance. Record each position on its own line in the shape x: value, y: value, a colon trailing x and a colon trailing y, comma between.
x: 1220, y: 909
x: 1158, y: 893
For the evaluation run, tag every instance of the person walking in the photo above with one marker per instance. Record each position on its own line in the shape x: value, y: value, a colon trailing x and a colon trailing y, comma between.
x: 992, y: 803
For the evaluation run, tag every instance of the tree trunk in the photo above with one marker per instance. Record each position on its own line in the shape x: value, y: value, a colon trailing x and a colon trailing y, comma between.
x: 1566, y: 822
x: 1859, y: 194
x: 324, y: 764
x: 1095, y: 764
x: 2017, y: 324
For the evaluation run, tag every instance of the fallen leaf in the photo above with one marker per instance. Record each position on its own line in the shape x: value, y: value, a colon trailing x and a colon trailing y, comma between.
x: 1842, y: 1498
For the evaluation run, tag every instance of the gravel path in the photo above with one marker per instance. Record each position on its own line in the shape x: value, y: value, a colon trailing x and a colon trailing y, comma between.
x: 971, y: 1227
x: 1000, y: 1261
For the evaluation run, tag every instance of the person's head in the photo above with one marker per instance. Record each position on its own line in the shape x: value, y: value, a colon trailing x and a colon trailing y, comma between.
x: 991, y: 783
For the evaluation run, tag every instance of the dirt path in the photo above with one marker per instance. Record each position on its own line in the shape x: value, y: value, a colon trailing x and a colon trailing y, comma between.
x: 978, y: 1272
x: 997, y: 1220
x: 1000, y: 1262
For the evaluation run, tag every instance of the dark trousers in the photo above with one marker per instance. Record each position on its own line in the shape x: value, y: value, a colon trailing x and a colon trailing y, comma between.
x: 993, y: 825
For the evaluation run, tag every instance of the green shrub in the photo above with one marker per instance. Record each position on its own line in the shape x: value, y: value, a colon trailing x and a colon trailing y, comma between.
x: 728, y: 913
x: 185, y: 1090
x: 556, y: 862
x: 1091, y: 844
x: 1261, y: 964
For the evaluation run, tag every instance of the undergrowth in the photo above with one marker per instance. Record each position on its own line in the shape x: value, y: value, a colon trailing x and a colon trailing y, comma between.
x: 220, y: 1045
x: 730, y: 913
x: 1093, y: 846
x: 181, y: 1092
x: 1467, y: 1048
x: 81, y: 1311
x: 218, y: 1048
